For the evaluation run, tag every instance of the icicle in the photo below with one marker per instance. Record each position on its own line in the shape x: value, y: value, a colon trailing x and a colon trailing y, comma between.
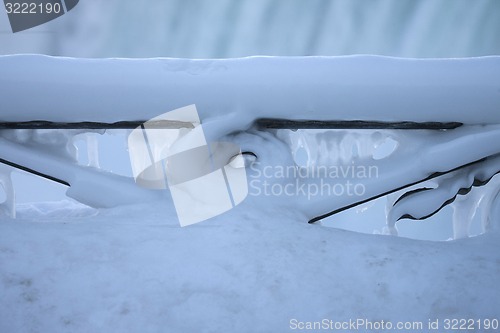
x: 93, y: 150
x: 309, y: 140
x: 72, y: 149
x: 331, y: 147
x: 464, y: 210
x: 492, y: 218
x: 331, y: 150
x: 424, y: 202
x: 346, y: 148
x: 323, y: 149
x: 8, y: 207
x: 490, y: 205
x: 390, y: 228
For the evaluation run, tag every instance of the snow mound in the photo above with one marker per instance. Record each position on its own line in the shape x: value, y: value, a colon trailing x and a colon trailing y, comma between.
x: 48, y: 211
x: 134, y: 269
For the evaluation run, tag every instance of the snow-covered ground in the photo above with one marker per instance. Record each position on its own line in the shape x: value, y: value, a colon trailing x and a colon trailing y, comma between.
x: 135, y: 270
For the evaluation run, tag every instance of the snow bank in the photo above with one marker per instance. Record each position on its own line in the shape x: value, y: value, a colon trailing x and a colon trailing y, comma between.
x: 134, y: 269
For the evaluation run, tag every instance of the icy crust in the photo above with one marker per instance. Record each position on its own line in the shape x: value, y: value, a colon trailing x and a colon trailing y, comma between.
x: 53, y: 154
x: 7, y: 206
x: 241, y: 90
x: 424, y: 202
x: 359, y: 150
x: 485, y: 200
x: 134, y: 269
x: 48, y: 212
x: 337, y: 169
x: 340, y: 168
x: 230, y: 94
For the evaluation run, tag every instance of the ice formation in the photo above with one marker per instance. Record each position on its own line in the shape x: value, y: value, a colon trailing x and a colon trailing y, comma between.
x: 367, y: 148
x: 231, y: 94
x: 52, y: 154
x: 424, y: 202
x: 92, y: 150
x: 482, y: 199
x: 8, y: 206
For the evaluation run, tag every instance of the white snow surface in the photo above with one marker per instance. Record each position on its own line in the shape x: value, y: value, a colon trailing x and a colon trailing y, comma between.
x: 240, y: 90
x: 133, y: 269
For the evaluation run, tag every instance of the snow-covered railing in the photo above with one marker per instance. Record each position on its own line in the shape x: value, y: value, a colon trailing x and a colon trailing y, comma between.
x: 368, y: 88
x: 452, y: 107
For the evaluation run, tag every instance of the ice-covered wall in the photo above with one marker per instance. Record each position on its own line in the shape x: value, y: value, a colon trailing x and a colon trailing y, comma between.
x: 235, y: 28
